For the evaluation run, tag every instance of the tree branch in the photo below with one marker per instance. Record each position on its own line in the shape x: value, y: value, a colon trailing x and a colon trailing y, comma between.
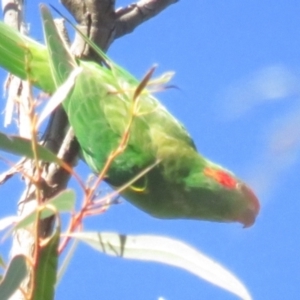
x: 132, y: 16
x: 102, y: 23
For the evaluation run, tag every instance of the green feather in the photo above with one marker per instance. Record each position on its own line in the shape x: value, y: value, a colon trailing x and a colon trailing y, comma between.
x: 183, y: 184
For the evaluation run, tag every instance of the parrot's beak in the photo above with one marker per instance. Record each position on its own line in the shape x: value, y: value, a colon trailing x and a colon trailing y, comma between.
x: 252, y: 209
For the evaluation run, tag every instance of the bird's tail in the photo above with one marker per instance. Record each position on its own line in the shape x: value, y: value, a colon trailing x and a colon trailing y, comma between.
x: 62, y: 62
x: 25, y: 58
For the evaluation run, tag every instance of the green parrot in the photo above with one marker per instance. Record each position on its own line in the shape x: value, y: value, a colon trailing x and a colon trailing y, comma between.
x: 103, y: 101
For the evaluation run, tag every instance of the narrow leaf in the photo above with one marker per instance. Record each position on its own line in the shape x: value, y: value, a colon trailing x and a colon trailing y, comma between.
x: 15, y: 274
x: 44, y: 286
x: 167, y: 251
x: 62, y: 202
x: 66, y: 261
x: 2, y: 263
x: 21, y: 146
x: 143, y: 83
x: 7, y: 221
x: 162, y: 79
x: 60, y: 95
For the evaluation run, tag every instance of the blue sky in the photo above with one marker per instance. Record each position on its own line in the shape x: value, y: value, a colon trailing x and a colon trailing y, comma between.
x: 237, y: 67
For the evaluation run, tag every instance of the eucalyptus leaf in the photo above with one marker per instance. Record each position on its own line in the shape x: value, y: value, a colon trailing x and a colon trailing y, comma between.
x: 62, y: 202
x: 167, y: 251
x: 13, y: 277
x: 23, y: 147
x: 44, y: 286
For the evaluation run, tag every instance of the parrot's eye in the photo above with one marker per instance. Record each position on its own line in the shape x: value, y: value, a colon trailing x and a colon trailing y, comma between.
x: 221, y: 177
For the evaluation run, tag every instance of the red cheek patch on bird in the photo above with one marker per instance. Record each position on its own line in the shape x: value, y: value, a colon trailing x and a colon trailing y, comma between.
x: 221, y: 177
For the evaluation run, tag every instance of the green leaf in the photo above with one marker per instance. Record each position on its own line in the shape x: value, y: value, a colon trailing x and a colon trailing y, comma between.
x: 15, y: 274
x: 44, y: 286
x: 166, y: 251
x: 62, y: 202
x: 2, y: 264
x: 66, y: 260
x: 8, y: 221
x: 23, y: 147
x: 59, y: 96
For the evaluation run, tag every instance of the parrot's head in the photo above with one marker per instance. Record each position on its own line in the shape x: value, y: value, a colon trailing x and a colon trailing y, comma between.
x: 249, y: 214
x: 206, y: 192
x: 231, y: 195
